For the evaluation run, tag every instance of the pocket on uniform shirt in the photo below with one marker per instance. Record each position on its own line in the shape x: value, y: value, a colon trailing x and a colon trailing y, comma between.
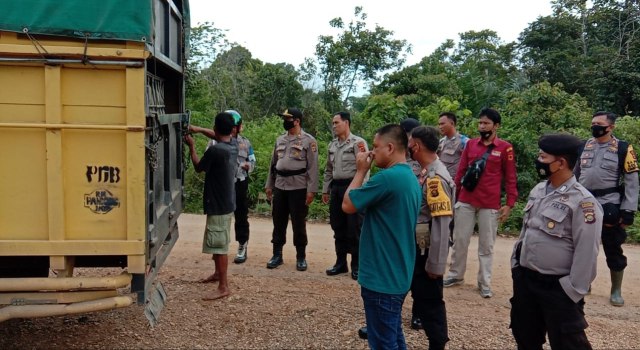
x: 348, y: 159
x: 280, y: 151
x: 609, y: 161
x: 297, y: 152
x: 552, y: 221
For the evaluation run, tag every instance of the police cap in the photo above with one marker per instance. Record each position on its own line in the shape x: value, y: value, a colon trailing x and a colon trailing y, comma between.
x: 409, y: 123
x: 560, y: 144
x: 291, y: 113
x: 565, y: 145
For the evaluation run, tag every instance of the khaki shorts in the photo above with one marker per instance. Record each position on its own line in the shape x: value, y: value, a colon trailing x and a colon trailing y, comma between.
x: 217, y: 234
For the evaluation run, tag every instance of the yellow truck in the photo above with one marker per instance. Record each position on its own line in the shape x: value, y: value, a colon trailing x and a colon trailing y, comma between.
x: 92, y: 118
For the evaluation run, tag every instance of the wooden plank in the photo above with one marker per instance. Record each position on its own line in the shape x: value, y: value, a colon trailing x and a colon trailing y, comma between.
x: 76, y: 247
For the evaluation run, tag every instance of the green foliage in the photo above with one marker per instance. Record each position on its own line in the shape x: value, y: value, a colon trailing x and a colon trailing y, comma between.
x: 628, y: 129
x: 379, y: 111
x: 592, y: 51
x: 429, y: 115
x: 356, y: 55
x: 533, y: 112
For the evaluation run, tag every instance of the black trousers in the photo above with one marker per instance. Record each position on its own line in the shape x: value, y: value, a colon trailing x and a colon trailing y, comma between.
x: 539, y: 305
x: 241, y: 214
x: 346, y: 227
x: 428, y: 303
x: 612, y: 239
x: 285, y: 204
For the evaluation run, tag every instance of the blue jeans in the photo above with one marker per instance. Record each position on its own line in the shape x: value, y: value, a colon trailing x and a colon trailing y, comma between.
x: 383, y: 313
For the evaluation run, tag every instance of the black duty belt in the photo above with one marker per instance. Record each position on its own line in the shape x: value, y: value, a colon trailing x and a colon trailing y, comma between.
x: 535, y: 275
x: 287, y: 173
x: 341, y: 182
x: 604, y: 191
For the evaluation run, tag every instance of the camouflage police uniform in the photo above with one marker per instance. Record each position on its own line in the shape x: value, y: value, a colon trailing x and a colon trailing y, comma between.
x: 293, y: 173
x: 432, y: 249
x: 340, y: 170
x: 615, y: 185
x: 553, y: 264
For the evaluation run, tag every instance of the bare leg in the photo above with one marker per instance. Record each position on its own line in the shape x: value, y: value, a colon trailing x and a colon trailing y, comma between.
x: 222, y: 261
x: 214, y: 277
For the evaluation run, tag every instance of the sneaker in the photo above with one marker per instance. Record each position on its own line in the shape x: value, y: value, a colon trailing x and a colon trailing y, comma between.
x: 485, y: 292
x: 450, y: 282
x: 242, y: 254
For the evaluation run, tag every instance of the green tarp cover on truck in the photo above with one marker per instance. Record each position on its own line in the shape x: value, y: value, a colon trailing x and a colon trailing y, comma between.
x: 92, y: 19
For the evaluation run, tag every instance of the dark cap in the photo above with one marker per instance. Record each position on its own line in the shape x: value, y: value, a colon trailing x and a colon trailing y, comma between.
x: 408, y: 124
x: 560, y: 144
x: 291, y: 113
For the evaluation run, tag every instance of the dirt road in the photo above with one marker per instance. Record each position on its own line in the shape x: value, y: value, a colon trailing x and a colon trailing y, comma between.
x: 284, y: 308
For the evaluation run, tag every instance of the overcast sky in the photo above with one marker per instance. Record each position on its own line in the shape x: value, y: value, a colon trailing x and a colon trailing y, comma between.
x: 287, y: 30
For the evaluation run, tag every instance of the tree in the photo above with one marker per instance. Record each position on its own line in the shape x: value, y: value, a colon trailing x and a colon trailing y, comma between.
x: 592, y: 51
x: 357, y: 55
x: 276, y: 87
x: 483, y: 66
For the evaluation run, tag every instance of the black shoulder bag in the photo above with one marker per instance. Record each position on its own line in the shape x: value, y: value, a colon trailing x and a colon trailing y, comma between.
x: 474, y: 171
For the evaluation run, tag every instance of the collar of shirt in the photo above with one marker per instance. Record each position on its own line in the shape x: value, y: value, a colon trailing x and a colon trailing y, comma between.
x: 346, y: 140
x: 494, y: 141
x: 563, y: 187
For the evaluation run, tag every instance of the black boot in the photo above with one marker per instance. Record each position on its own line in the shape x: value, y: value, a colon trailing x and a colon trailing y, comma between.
x: 276, y: 260
x: 301, y: 263
x: 340, y: 265
x: 416, y: 322
x: 354, y: 266
x: 362, y: 332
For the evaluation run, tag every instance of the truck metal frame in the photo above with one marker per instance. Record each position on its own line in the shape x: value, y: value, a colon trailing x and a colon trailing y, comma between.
x: 91, y: 135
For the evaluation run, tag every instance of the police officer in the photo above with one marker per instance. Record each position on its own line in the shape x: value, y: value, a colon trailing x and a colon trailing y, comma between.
x: 292, y: 182
x: 246, y: 164
x: 432, y: 236
x: 554, y: 260
x: 407, y: 125
x: 608, y: 167
x: 340, y: 169
x: 451, y: 144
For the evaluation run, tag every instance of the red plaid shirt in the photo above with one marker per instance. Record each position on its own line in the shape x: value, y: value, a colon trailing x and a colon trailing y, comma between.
x: 501, y: 164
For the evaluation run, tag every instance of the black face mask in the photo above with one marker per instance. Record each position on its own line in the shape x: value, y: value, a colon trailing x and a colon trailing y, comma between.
x: 288, y: 124
x: 486, y: 134
x: 543, y: 169
x: 598, y: 130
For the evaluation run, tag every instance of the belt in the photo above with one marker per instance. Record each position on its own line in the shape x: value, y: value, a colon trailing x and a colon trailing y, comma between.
x: 287, y: 173
x: 604, y: 191
x: 341, y: 182
x: 535, y: 275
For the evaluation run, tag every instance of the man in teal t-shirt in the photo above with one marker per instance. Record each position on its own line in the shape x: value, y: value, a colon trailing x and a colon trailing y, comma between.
x: 390, y: 201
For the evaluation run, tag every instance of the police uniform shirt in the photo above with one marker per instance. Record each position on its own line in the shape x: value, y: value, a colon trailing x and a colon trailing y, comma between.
x: 450, y: 150
x: 598, y: 168
x: 245, y: 154
x: 438, y: 190
x: 561, y: 235
x: 341, y: 159
x: 293, y: 153
x: 415, y: 166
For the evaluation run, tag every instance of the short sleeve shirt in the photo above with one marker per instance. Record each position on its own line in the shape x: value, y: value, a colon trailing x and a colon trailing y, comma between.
x: 219, y: 163
x: 390, y: 201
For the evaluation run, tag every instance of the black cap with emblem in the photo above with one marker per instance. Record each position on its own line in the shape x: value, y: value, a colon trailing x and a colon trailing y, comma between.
x: 563, y: 145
